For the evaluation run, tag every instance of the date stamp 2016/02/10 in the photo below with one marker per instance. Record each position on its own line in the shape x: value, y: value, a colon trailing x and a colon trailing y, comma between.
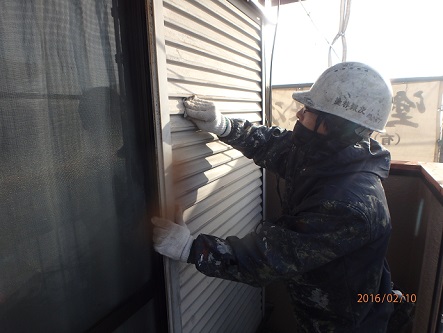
x: 390, y: 298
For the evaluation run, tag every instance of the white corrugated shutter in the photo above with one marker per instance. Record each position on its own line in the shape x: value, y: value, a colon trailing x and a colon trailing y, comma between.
x: 214, y: 50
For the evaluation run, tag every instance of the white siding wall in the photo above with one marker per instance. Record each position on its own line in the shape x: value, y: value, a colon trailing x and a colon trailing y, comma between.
x: 214, y: 50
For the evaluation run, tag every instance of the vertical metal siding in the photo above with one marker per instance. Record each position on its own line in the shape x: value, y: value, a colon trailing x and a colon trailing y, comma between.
x: 212, y: 49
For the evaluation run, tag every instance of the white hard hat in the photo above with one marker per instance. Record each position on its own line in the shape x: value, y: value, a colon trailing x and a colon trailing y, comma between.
x: 353, y: 91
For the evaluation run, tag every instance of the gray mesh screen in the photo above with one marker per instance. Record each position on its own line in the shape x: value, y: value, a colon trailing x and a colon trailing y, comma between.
x: 73, y: 243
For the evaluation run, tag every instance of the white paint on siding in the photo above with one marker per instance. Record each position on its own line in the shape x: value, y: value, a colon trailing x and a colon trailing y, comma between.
x: 212, y: 49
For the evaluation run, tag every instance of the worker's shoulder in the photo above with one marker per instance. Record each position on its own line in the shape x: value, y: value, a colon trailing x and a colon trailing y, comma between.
x: 351, y: 187
x: 364, y: 198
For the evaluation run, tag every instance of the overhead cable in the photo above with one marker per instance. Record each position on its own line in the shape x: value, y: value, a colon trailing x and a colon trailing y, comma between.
x: 268, y: 114
x: 345, y: 12
x: 315, y: 26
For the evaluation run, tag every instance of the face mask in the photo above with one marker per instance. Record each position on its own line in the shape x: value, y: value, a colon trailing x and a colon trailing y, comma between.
x: 303, y: 136
x: 319, y: 146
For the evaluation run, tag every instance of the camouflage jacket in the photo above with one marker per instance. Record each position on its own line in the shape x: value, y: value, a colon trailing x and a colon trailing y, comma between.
x: 328, y: 246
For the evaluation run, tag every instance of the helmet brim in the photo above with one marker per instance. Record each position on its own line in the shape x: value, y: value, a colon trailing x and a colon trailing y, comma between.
x: 304, y: 97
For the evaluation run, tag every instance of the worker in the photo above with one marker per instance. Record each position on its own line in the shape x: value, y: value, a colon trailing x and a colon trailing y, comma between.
x: 329, y: 244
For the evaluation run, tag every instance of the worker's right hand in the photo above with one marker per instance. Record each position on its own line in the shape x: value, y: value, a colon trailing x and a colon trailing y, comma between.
x: 204, y: 114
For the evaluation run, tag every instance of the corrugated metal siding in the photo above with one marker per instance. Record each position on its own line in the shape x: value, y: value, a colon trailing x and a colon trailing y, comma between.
x: 214, y: 50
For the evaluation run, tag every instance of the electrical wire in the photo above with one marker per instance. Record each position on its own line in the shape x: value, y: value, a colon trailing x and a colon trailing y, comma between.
x: 318, y: 30
x: 268, y: 120
x: 345, y: 12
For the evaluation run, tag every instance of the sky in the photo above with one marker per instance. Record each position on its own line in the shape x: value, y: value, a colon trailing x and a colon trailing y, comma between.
x: 399, y: 38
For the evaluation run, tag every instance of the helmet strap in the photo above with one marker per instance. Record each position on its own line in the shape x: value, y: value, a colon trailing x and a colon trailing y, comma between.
x: 320, y: 117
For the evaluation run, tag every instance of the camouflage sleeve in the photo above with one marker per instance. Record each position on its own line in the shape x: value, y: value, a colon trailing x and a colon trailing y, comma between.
x: 292, y: 246
x: 267, y: 146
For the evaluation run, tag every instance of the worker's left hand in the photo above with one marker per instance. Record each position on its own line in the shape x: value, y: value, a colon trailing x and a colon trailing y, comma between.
x: 171, y: 239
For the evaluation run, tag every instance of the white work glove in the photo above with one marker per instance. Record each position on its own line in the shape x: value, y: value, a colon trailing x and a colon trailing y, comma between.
x: 207, y: 118
x: 172, y: 239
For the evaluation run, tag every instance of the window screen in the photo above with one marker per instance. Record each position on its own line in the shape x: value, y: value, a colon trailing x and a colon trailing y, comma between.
x: 74, y: 241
